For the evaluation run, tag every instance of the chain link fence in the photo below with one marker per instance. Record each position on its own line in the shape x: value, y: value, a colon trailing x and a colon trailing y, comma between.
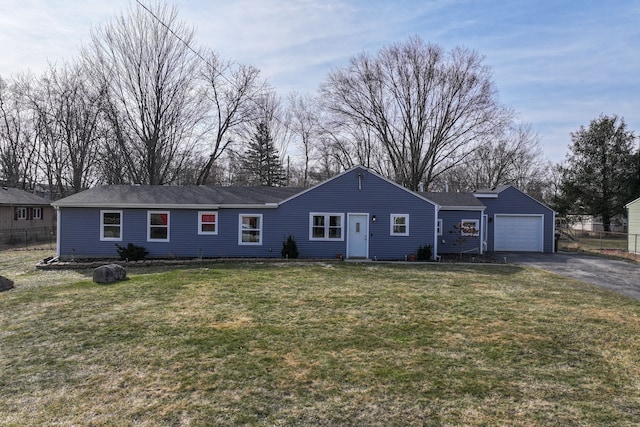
x: 607, y: 242
x: 27, y: 237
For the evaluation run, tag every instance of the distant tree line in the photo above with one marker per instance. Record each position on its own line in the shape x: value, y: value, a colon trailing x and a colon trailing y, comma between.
x: 143, y: 103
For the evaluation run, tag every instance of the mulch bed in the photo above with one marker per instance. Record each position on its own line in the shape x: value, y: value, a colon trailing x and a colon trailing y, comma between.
x: 472, y: 258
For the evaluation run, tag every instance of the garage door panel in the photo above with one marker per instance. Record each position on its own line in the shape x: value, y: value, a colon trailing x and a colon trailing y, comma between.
x: 518, y: 233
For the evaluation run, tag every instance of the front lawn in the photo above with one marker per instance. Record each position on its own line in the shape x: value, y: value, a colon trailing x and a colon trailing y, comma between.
x: 320, y: 344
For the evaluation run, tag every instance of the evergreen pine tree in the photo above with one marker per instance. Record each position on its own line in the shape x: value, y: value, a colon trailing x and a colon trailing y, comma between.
x: 262, y: 165
x: 599, y: 176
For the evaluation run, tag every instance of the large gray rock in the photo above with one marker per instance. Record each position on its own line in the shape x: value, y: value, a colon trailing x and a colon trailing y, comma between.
x: 109, y: 273
x: 5, y: 284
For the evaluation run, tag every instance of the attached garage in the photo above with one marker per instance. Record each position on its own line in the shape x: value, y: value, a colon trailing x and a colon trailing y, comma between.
x: 518, y: 233
x: 516, y: 222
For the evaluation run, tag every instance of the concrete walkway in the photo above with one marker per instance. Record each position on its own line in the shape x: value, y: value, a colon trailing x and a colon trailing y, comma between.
x: 618, y: 276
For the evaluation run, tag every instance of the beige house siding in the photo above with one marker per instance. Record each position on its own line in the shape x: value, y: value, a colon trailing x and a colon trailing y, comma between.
x: 8, y: 221
x: 634, y: 226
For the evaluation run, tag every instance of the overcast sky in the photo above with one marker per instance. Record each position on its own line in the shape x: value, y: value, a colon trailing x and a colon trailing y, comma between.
x: 558, y: 63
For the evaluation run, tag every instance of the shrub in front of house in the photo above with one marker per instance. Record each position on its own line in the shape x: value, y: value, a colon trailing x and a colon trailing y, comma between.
x: 289, y: 248
x: 131, y: 252
x: 425, y: 253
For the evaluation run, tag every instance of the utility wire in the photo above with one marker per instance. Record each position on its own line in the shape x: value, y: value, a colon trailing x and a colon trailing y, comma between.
x: 199, y: 55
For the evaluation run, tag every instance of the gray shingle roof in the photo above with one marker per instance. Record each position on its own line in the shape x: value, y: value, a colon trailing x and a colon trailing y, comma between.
x: 454, y: 200
x: 15, y: 196
x: 175, y: 196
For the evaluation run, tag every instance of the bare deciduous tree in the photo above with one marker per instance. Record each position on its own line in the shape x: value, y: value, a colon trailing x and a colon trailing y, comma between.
x: 154, y: 106
x: 426, y: 108
x: 68, y: 112
x: 18, y: 138
x: 305, y: 125
x: 231, y: 90
x: 513, y: 156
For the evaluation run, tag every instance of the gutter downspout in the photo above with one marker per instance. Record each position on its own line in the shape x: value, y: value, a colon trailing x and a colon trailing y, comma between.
x: 58, y: 222
x: 435, y: 232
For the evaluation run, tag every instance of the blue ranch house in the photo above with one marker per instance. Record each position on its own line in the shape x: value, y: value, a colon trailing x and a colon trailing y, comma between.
x: 357, y: 214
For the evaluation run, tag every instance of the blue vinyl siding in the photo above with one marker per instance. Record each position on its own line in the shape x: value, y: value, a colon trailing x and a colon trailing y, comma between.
x: 515, y: 202
x: 370, y: 195
x: 347, y: 193
x: 451, y: 240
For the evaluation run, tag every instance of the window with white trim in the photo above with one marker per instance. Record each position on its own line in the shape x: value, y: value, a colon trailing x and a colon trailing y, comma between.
x: 439, y: 227
x: 208, y: 222
x: 37, y: 213
x: 21, y: 213
x: 470, y: 227
x: 399, y: 225
x: 250, y: 232
x: 326, y: 226
x: 158, y: 226
x: 111, y: 225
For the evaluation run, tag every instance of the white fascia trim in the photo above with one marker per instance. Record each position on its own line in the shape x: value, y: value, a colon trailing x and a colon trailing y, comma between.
x: 256, y: 206
x: 168, y: 206
x: 631, y: 203
x: 486, y: 195
x: 463, y: 208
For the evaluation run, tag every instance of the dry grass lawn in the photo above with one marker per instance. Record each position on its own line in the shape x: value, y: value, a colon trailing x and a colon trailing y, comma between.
x: 315, y: 344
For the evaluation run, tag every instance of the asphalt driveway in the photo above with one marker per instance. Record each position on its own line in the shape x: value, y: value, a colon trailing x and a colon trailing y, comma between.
x: 618, y: 276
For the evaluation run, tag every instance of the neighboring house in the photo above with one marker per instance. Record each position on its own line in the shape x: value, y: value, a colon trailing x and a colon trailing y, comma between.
x: 20, y: 210
x: 593, y: 223
x: 459, y: 222
x: 515, y: 221
x: 356, y: 214
x: 633, y: 217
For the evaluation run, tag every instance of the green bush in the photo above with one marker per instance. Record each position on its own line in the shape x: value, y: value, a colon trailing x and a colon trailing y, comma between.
x: 289, y: 248
x: 425, y: 253
x: 131, y: 252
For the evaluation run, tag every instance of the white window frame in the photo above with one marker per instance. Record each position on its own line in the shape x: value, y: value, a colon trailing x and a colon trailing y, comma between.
x: 102, y: 225
x: 201, y: 223
x: 37, y: 213
x: 440, y: 226
x: 22, y: 213
x: 393, y: 224
x: 259, y: 229
x: 327, y: 227
x: 167, y: 226
x: 476, y: 227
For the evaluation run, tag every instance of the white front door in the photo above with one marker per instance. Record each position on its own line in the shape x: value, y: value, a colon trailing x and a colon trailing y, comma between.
x: 358, y: 236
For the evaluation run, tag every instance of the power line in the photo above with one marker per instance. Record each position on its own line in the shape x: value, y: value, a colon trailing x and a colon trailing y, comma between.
x: 277, y: 119
x: 181, y: 40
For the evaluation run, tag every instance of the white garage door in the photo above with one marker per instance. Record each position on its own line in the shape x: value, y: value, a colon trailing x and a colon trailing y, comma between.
x: 521, y: 233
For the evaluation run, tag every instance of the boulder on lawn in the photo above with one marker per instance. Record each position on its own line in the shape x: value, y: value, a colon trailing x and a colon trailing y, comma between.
x: 5, y: 284
x: 109, y: 273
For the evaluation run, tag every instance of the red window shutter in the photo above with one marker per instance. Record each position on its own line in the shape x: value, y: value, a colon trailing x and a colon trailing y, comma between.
x: 29, y: 214
x: 15, y: 213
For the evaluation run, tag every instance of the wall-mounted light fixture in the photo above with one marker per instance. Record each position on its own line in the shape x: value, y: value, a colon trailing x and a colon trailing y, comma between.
x: 373, y: 218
